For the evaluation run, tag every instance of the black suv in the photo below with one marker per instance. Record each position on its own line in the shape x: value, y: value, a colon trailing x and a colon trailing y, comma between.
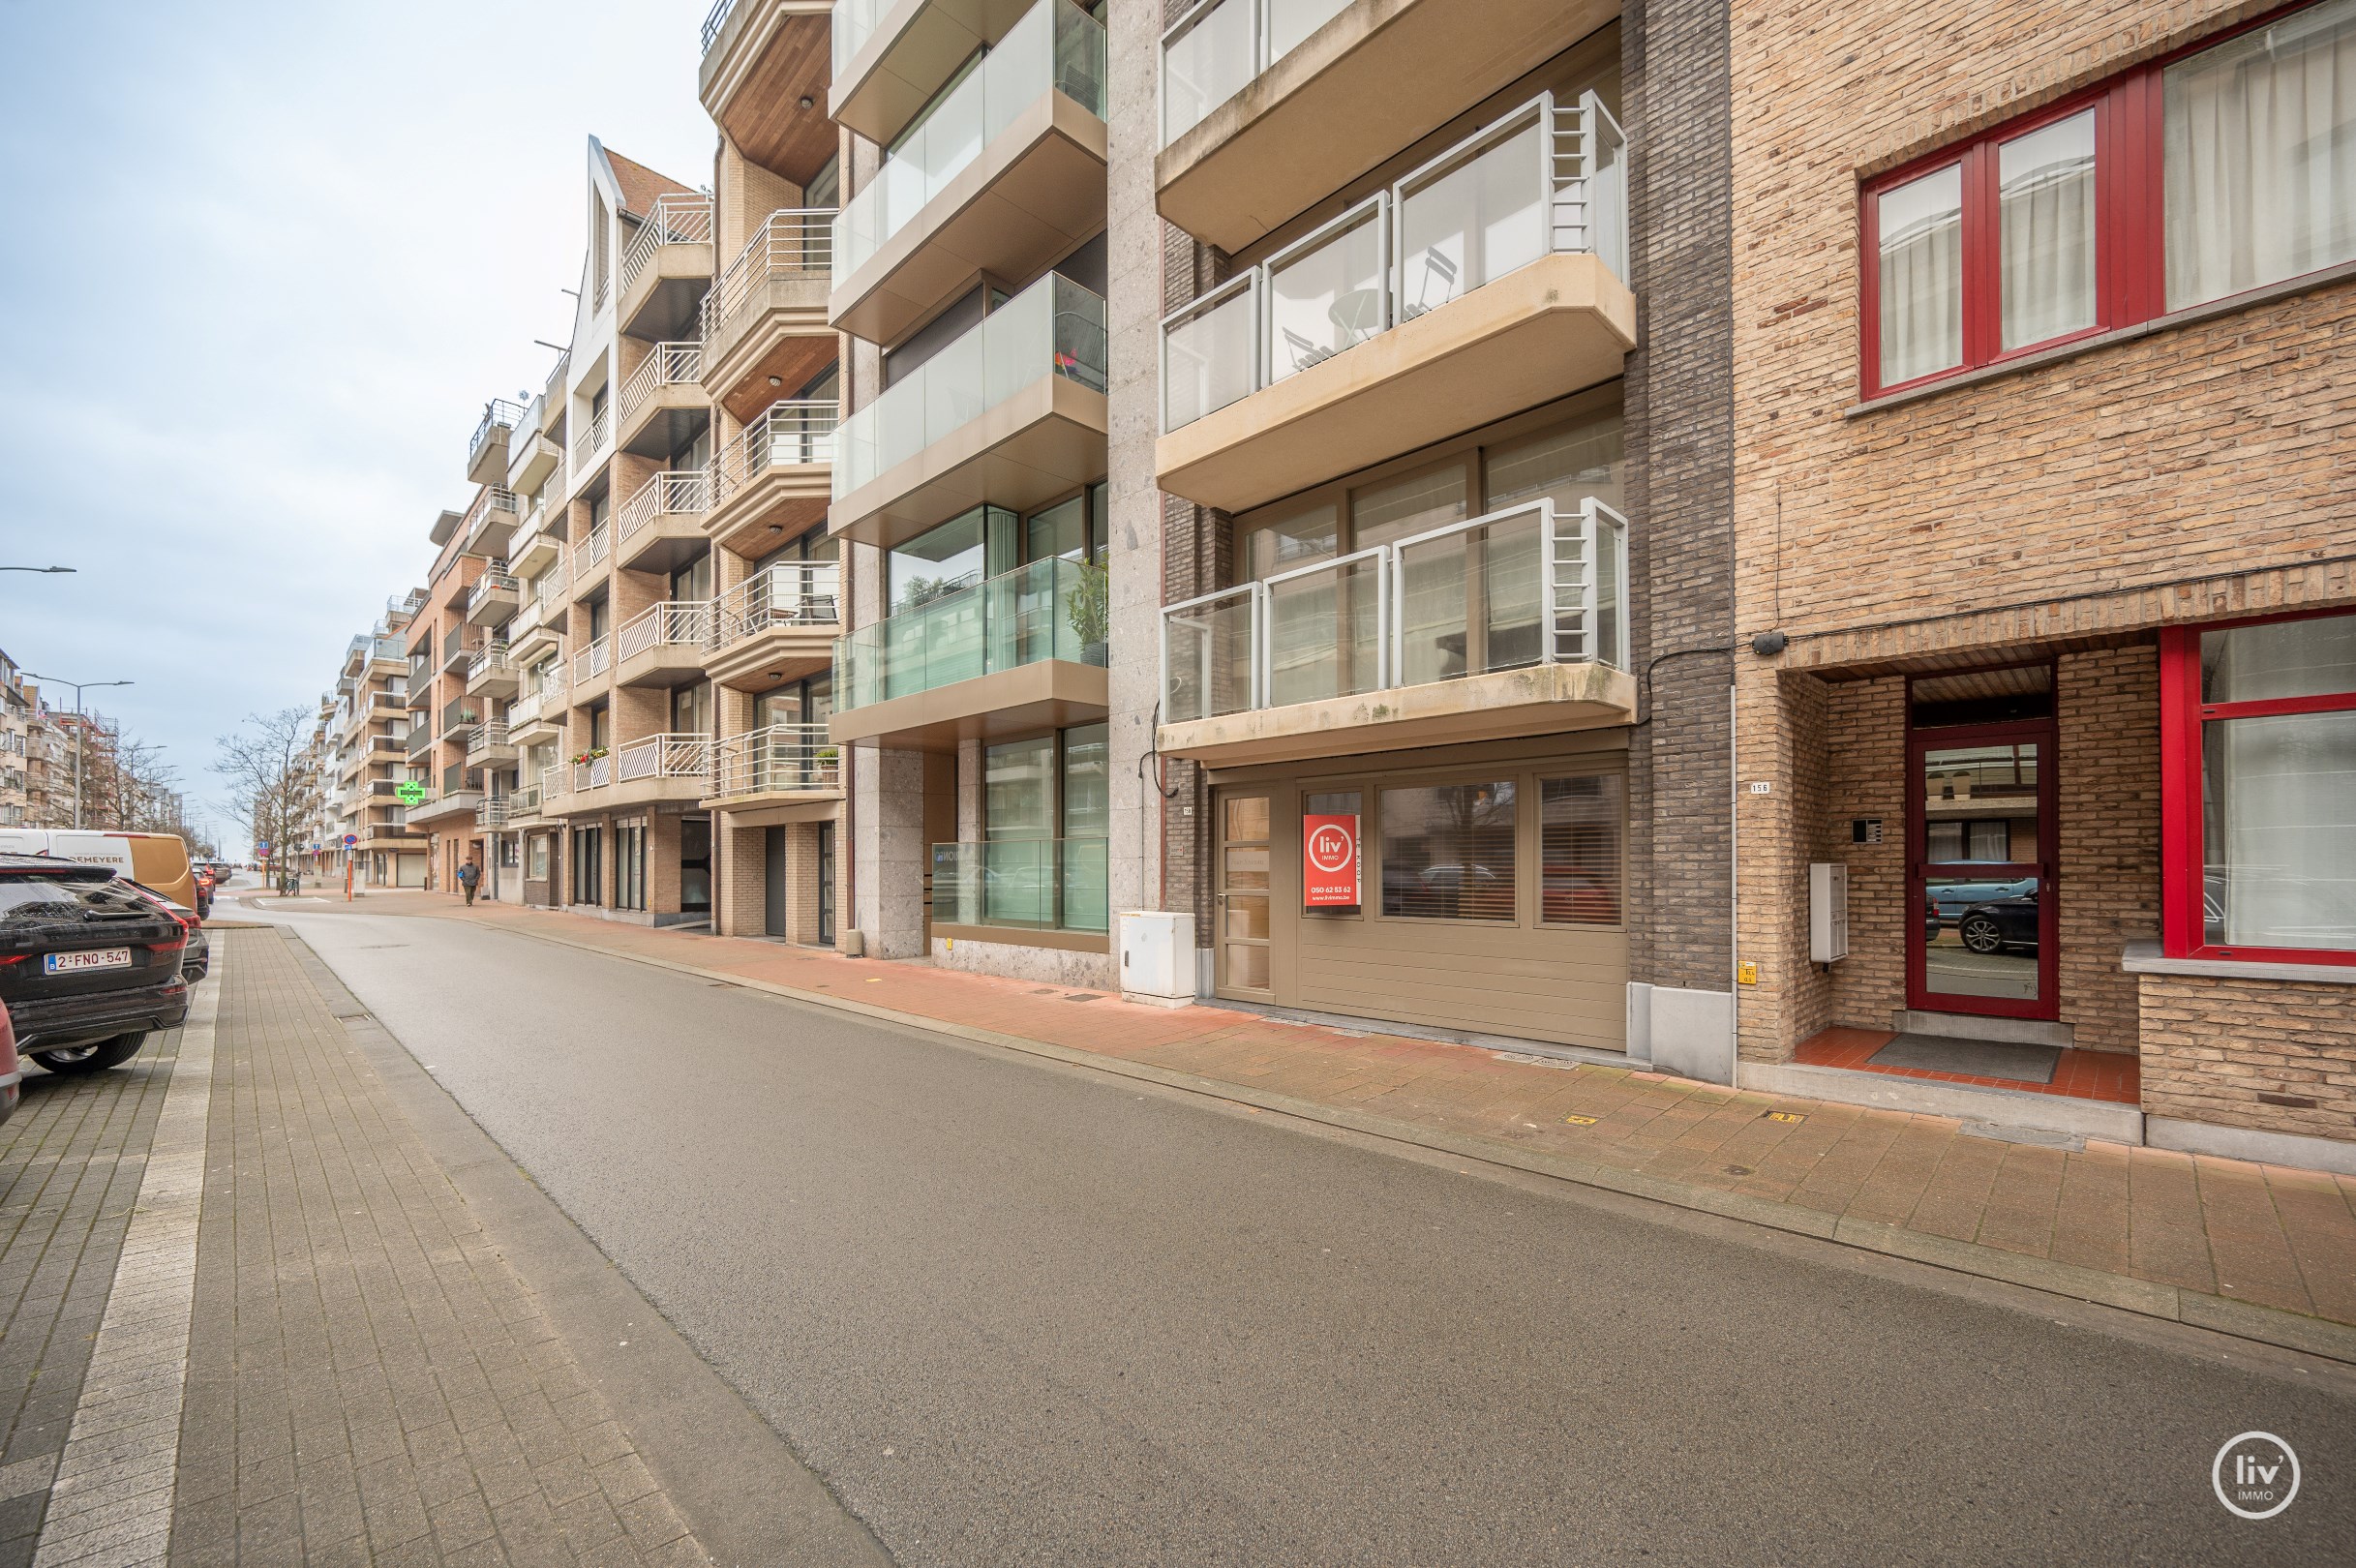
x: 88, y: 966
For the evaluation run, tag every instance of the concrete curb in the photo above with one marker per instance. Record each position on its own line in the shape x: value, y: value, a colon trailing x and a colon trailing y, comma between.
x: 2265, y: 1325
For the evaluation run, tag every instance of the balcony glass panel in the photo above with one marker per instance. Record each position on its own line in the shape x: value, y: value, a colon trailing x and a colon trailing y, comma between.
x: 1472, y: 598
x: 1055, y: 48
x: 1047, y: 610
x: 1325, y: 630
x: 1054, y: 327
x: 1209, y: 655
x: 1544, y: 179
x: 1217, y: 50
x: 1025, y: 883
x: 855, y: 22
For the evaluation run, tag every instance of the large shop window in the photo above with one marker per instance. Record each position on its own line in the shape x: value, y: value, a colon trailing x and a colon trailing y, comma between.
x: 2258, y: 780
x: 1448, y: 852
x: 2216, y: 172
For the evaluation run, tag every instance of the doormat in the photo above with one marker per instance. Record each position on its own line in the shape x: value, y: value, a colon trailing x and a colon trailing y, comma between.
x: 1975, y: 1058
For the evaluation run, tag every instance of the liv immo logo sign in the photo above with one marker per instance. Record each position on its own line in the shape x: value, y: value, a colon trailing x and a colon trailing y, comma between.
x: 2255, y: 1475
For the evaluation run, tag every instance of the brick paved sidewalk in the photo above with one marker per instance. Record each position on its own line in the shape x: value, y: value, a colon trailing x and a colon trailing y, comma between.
x: 369, y: 1380
x: 2189, y: 1237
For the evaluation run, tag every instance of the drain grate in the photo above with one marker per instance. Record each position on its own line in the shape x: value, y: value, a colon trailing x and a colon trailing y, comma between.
x: 1082, y: 995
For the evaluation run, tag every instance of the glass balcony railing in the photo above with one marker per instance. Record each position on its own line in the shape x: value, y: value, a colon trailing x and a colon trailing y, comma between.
x: 1051, y: 608
x: 1055, y: 48
x: 782, y: 759
x: 1028, y: 883
x: 1055, y: 327
x: 1523, y: 587
x: 1217, y: 48
x: 1547, y: 178
x: 854, y: 21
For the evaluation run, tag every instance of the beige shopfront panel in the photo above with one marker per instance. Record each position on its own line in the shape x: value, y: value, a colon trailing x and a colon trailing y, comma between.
x: 1529, y: 976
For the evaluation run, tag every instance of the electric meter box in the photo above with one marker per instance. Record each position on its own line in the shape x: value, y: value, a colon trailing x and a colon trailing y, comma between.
x: 1828, y: 912
x: 1157, y: 958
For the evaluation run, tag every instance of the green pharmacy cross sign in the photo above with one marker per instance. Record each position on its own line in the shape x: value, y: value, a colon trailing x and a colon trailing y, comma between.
x: 411, y: 791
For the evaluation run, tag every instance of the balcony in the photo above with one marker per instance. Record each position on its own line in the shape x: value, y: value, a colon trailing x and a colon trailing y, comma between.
x: 666, y: 266
x: 455, y: 804
x: 891, y: 57
x: 661, y: 526
x: 776, y: 478
x: 593, y: 562
x: 786, y: 773
x: 765, y: 321
x: 538, y: 715
x: 592, y: 663
x: 1008, y: 887
x: 488, y: 745
x: 494, y: 597
x: 454, y: 656
x: 389, y: 655
x: 665, y: 645
x: 490, y: 522
x: 1003, y: 174
x: 540, y: 629
x: 1508, y: 625
x: 540, y: 543
x: 596, y: 436
x: 1488, y: 281
x: 1011, y: 413
x: 541, y: 455
x: 778, y: 624
x: 761, y: 59
x: 490, y: 672
x: 655, y: 767
x: 487, y: 451
x: 1269, y: 105
x: 1019, y: 653
x: 663, y: 405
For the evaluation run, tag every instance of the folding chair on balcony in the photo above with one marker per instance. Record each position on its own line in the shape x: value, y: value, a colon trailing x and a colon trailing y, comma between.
x: 1303, y: 352
x: 1436, y: 267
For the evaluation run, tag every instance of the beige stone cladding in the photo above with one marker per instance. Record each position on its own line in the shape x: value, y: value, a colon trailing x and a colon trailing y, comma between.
x: 2279, y: 1056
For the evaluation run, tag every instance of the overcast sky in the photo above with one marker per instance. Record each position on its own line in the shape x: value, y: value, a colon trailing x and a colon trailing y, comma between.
x: 266, y: 263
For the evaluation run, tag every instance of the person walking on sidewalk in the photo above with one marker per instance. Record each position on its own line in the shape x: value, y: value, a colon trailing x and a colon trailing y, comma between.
x: 470, y: 877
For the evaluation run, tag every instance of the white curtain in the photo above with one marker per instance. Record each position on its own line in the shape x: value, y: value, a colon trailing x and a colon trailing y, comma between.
x: 2260, y: 153
x: 2281, y: 801
x: 2046, y: 183
x: 1922, y: 275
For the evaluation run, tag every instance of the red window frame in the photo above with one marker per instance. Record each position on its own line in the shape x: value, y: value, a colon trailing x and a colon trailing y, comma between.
x: 2131, y: 248
x: 2183, y: 848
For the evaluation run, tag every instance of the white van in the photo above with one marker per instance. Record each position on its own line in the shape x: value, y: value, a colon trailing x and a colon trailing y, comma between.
x: 157, y: 860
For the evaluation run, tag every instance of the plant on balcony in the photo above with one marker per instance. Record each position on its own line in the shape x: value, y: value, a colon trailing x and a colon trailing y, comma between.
x: 1089, y: 606
x: 589, y: 756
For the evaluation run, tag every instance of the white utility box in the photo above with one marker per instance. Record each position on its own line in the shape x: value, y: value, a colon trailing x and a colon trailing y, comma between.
x: 1828, y: 912
x: 1157, y: 958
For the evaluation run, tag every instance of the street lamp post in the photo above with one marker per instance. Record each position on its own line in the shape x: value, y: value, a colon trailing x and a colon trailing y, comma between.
x: 80, y: 728
x: 45, y: 571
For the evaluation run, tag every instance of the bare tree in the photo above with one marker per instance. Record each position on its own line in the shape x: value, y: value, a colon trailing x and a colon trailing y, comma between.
x: 273, y: 786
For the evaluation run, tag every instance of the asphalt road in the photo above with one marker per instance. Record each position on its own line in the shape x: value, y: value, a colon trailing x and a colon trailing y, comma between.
x: 1019, y: 1314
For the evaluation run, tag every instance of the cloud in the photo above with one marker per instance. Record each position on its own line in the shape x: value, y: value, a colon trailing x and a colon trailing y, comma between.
x: 267, y: 260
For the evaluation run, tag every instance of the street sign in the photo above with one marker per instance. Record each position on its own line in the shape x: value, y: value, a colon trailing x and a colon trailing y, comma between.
x: 351, y: 840
x: 411, y: 792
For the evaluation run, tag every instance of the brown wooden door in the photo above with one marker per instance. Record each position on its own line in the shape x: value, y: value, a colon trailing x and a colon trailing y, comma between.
x: 1244, y: 902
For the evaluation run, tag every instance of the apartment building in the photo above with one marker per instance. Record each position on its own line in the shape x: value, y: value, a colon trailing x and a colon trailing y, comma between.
x: 444, y: 719
x: 2048, y: 605
x: 369, y: 757
x: 19, y: 721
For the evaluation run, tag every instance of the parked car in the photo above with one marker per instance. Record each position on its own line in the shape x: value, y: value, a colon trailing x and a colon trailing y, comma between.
x: 11, y: 1071
x: 199, y: 961
x: 89, y: 964
x: 2001, y: 923
x: 159, y: 860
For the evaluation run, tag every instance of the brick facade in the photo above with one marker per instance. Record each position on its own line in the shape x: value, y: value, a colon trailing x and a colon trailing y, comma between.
x: 2273, y: 1055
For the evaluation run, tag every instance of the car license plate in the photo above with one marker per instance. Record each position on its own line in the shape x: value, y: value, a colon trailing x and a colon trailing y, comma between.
x: 67, y: 963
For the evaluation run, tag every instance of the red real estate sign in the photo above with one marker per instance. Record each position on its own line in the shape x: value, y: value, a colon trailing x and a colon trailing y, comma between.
x: 1329, y: 862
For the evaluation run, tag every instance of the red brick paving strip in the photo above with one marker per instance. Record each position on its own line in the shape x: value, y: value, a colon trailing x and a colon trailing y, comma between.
x: 2146, y: 1214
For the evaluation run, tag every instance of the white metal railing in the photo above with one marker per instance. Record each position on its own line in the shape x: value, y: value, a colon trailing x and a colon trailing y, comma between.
x: 1053, y: 327
x: 523, y: 800
x: 1220, y: 47
x: 1543, y: 179
x: 494, y: 498
x: 546, y: 681
x: 679, y: 218
x: 497, y: 414
x: 791, y: 433
x: 673, y: 493
x: 488, y: 659
x: 592, y: 437
x: 482, y: 737
x: 592, y: 551
x: 664, y: 756
x: 548, y: 589
x: 1522, y: 586
x: 791, y: 593
x: 552, y: 781
x: 672, y: 623
x: 792, y: 242
x: 496, y: 578
x: 593, y: 660
x: 1055, y: 48
x: 783, y: 758
x: 667, y: 364
x: 592, y: 772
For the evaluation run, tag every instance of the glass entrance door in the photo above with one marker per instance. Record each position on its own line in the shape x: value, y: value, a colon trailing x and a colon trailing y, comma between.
x: 1982, y: 918
x: 1243, y: 896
